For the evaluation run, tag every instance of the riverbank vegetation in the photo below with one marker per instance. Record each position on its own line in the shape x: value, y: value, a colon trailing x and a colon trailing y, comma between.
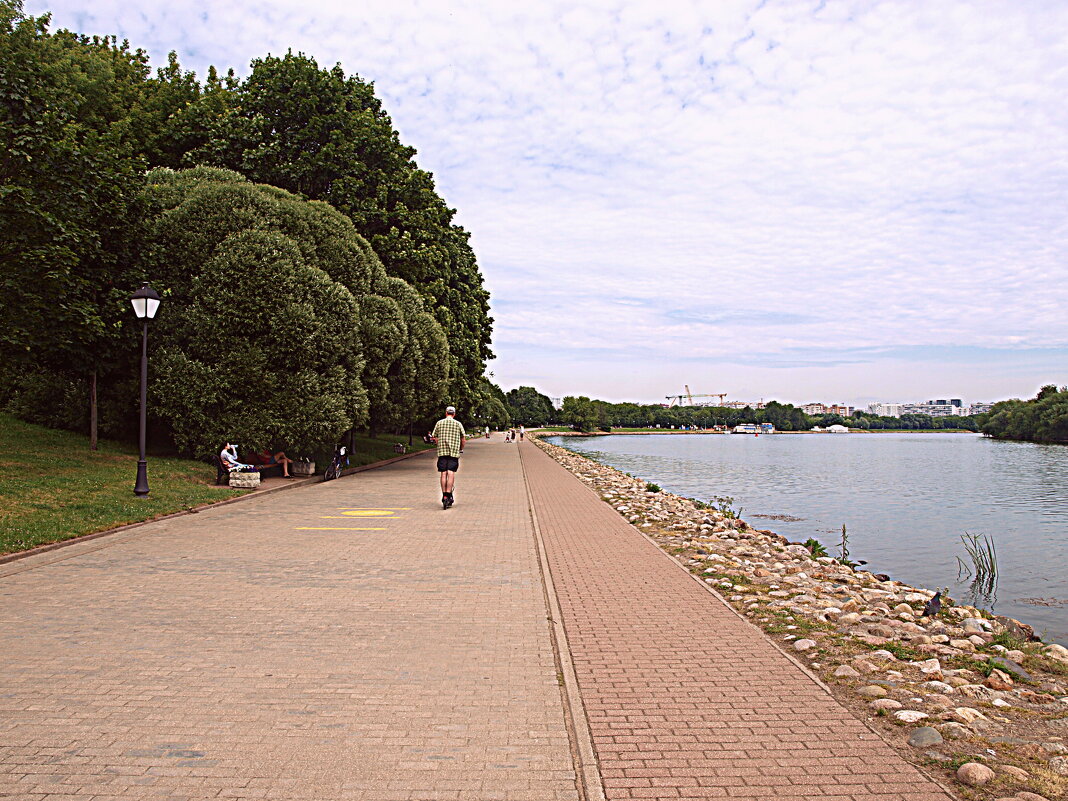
x: 313, y: 279
x: 529, y: 407
x: 1041, y: 419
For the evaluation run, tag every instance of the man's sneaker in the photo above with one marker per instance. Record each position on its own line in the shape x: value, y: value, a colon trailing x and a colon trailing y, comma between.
x: 444, y: 501
x: 451, y: 500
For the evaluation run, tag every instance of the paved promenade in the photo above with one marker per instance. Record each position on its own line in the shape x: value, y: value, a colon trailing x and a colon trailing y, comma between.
x: 352, y: 640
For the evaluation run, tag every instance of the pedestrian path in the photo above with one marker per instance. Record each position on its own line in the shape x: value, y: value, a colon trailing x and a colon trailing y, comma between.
x: 352, y: 640
x: 346, y: 640
x: 685, y: 699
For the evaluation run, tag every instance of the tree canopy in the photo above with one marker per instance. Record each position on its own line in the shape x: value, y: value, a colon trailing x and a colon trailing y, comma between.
x: 1041, y: 419
x: 325, y: 204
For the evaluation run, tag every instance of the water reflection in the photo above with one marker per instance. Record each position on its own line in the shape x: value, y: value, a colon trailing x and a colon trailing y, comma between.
x: 906, y: 499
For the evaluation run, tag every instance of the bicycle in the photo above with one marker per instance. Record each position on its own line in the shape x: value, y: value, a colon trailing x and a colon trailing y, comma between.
x: 337, y: 464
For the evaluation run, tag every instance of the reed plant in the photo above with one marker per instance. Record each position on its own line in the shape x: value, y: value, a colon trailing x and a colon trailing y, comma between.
x: 983, y: 556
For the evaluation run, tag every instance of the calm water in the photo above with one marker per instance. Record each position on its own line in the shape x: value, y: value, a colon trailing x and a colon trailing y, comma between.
x: 905, y: 498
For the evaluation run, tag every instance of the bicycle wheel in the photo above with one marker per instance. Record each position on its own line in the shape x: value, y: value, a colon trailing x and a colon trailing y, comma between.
x: 332, y: 472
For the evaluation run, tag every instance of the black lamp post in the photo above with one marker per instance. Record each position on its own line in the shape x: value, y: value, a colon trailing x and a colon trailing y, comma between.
x: 145, y: 303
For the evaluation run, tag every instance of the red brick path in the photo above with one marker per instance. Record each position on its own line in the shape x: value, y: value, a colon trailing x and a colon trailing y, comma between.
x: 686, y: 700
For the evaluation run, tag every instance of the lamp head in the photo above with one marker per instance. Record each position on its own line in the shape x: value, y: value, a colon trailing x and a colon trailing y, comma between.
x: 145, y: 302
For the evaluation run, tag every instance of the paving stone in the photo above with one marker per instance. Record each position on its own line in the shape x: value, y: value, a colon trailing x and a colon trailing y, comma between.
x: 679, y: 690
x: 248, y: 651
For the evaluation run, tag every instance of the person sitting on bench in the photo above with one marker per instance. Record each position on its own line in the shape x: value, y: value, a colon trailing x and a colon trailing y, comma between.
x: 228, y: 457
x: 264, y: 458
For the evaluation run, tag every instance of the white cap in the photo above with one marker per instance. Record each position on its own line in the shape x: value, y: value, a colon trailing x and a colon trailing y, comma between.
x: 450, y: 410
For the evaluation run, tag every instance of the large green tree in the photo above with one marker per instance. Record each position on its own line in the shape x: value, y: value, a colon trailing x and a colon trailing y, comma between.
x: 280, y: 317
x: 68, y: 179
x: 325, y: 135
x: 529, y: 407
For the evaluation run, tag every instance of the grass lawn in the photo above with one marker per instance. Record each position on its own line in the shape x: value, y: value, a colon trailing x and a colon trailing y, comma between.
x: 52, y: 487
x: 367, y: 450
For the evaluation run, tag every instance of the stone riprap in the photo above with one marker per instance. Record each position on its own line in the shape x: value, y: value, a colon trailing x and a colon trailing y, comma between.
x: 1001, y: 701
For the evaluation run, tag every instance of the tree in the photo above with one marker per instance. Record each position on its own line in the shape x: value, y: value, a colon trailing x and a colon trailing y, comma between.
x: 529, y: 407
x: 579, y: 413
x: 325, y: 135
x: 68, y: 179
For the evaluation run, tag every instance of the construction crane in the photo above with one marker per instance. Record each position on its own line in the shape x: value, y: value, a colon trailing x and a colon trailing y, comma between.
x: 689, y: 396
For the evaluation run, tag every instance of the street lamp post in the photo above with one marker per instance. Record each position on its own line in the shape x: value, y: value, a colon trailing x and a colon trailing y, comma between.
x: 145, y: 302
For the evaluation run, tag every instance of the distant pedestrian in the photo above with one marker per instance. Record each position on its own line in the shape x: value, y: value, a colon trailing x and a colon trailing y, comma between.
x: 450, y: 437
x: 521, y: 432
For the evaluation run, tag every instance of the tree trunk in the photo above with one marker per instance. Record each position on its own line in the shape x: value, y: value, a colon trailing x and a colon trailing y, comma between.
x: 92, y: 411
x: 409, y: 433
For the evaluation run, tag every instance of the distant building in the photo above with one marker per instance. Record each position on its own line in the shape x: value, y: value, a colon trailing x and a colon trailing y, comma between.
x: 816, y: 409
x: 980, y: 408
x: 886, y: 409
x: 936, y: 408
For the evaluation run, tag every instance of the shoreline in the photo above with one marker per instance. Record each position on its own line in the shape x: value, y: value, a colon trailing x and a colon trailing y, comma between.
x: 968, y: 685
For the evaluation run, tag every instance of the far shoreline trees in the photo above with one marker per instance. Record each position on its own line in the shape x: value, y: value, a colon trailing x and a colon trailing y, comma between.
x: 528, y: 406
x: 1043, y: 419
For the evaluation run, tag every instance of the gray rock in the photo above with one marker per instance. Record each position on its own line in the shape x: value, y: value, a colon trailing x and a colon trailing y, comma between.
x: 846, y: 672
x: 1059, y: 765
x: 1014, y: 628
x: 955, y: 731
x: 1012, y: 667
x: 925, y: 736
x: 804, y: 645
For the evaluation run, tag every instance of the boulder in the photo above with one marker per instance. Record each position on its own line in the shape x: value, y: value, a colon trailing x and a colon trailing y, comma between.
x: 955, y: 731
x: 846, y: 672
x: 925, y: 736
x: 1017, y: 773
x: 1011, y: 665
x: 889, y: 704
x: 872, y: 691
x: 997, y: 680
x: 911, y: 716
x: 1059, y: 765
x: 1015, y: 629
x: 974, y: 774
x: 967, y: 714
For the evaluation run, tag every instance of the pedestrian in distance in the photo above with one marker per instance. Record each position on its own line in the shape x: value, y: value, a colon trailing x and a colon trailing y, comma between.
x: 450, y: 437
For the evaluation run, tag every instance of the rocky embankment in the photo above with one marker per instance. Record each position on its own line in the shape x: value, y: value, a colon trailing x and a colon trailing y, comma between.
x: 969, y: 697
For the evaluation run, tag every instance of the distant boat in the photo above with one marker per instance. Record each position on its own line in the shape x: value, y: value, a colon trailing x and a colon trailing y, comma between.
x: 753, y: 428
x: 835, y: 429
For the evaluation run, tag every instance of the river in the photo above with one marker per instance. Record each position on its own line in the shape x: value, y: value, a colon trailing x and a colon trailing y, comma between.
x: 905, y: 499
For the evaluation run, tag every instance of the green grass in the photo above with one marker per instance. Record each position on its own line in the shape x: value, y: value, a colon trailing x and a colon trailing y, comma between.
x: 52, y: 487
x: 368, y: 450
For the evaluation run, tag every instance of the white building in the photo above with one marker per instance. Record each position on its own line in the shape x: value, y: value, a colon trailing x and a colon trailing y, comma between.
x: 980, y: 408
x: 886, y: 409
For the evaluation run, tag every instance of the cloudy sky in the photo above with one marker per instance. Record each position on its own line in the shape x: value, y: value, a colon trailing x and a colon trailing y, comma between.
x: 818, y: 200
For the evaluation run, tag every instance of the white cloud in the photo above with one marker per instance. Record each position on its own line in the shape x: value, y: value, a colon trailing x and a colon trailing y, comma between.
x: 889, y: 176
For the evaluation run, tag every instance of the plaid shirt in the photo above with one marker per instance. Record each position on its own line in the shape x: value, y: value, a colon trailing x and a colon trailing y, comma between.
x: 449, y: 432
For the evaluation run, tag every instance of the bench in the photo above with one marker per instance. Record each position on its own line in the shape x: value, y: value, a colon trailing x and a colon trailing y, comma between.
x: 222, y: 474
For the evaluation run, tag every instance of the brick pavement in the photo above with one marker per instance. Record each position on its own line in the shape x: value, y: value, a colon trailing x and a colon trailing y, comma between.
x: 685, y: 699
x: 243, y: 652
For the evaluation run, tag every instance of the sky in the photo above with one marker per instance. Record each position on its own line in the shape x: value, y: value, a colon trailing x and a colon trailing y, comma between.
x: 806, y: 201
